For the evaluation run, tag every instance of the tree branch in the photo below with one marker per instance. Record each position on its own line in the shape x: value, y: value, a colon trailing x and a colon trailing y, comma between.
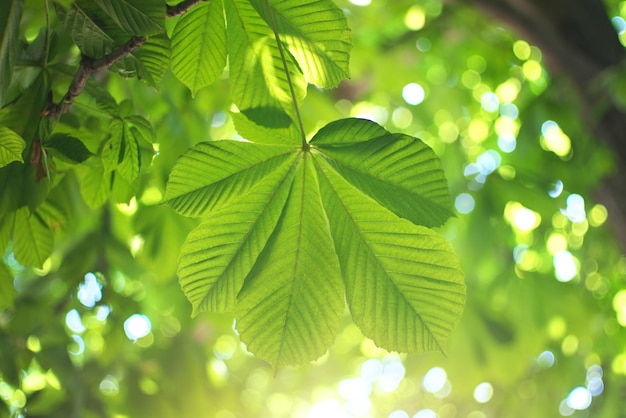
x: 181, y: 7
x: 88, y: 66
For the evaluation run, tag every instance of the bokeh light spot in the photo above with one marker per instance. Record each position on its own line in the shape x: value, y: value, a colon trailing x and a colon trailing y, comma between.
x: 90, y: 291
x: 434, y: 379
x: 137, y: 326
x: 483, y: 392
x: 415, y: 18
x: 565, y: 266
x: 521, y: 49
x: 425, y: 413
x: 464, y: 203
x: 579, y: 398
x: 413, y: 94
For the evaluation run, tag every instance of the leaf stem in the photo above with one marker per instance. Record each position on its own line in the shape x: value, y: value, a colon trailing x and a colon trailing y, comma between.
x: 47, y: 50
x: 305, y: 145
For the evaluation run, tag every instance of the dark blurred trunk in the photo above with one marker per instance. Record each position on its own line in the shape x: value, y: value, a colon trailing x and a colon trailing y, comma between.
x: 578, y: 40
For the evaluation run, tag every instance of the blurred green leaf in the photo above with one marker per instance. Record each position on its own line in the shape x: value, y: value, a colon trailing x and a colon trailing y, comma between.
x: 11, y: 146
x: 72, y: 149
x: 32, y: 239
x: 10, y: 15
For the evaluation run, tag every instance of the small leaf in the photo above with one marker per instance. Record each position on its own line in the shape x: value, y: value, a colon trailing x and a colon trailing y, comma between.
x: 95, y: 183
x: 131, y: 159
x: 7, y: 290
x: 199, y: 45
x: 138, y: 17
x: 143, y: 127
x: 32, y: 239
x: 113, y: 149
x: 154, y: 59
x: 11, y: 146
x: 10, y: 15
x: 214, y: 174
x: 290, y: 308
x: 69, y: 147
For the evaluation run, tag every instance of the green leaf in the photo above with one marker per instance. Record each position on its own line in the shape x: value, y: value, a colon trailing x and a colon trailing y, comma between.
x: 131, y: 160
x: 259, y: 85
x: 153, y: 59
x: 264, y: 135
x: 144, y: 128
x: 403, y: 282
x: 321, y: 45
x: 113, y: 149
x: 400, y: 172
x: 139, y: 17
x: 83, y: 20
x: 283, y: 225
x: 291, y: 306
x: 11, y: 146
x: 69, y: 148
x: 10, y: 15
x: 214, y: 174
x: 7, y: 290
x: 32, y: 238
x: 199, y: 45
x: 95, y: 183
x: 220, y: 252
x: 6, y: 230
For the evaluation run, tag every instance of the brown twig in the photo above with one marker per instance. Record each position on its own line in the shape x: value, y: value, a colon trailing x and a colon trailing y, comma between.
x: 88, y: 66
x: 181, y: 7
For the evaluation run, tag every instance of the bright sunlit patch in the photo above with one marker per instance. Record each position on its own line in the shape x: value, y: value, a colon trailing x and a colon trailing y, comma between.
x: 554, y: 139
x: 546, y: 359
x: 464, y: 203
x: 556, y: 243
x: 619, y: 305
x: 354, y: 389
x: 129, y: 208
x: 225, y: 347
x: 570, y: 344
x: 434, y: 379
x: 402, y: 117
x: 425, y: 413
x: 219, y: 119
x: 509, y: 110
x: 579, y: 398
x: 74, y: 322
x: 595, y: 385
x: 598, y: 215
x: 520, y: 217
x: 532, y: 70
x: 371, y: 369
x: 556, y: 190
x: 508, y: 91
x: 361, y: 3
x: 90, y: 291
x: 369, y: 111
x: 478, y: 130
x: 398, y: 414
x: 575, y: 209
x: 393, y: 373
x: 137, y: 326
x: 33, y: 343
x: 327, y: 408
x: 488, y: 162
x: 415, y: 18
x: 565, y: 268
x: 521, y: 49
x: 483, y: 392
x: 505, y: 125
x: 490, y: 102
x: 151, y: 196
x: 413, y: 94
x: 448, y: 132
x: 507, y: 143
x: 619, y: 24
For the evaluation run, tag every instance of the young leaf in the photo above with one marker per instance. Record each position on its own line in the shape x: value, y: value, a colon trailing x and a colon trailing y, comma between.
x: 95, y: 183
x: 320, y: 45
x: 199, y: 45
x: 153, y: 59
x: 11, y: 146
x: 32, y: 239
x: 290, y: 308
x: 70, y: 148
x: 400, y: 172
x: 7, y: 290
x: 264, y: 135
x: 403, y: 283
x: 131, y: 160
x: 139, y: 17
x: 113, y: 149
x: 10, y: 15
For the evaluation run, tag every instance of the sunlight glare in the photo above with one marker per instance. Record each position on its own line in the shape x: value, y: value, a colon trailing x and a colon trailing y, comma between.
x: 371, y: 369
x: 425, y: 413
x: 398, y: 414
x: 90, y: 291
x: 575, y: 210
x: 137, y: 326
x: 554, y: 139
x: 483, y: 392
x: 415, y: 18
x: 413, y: 94
x: 546, y: 359
x: 353, y: 389
x: 579, y: 398
x: 361, y: 3
x: 564, y: 266
x: 464, y: 203
x: 490, y: 102
x: 74, y: 322
x: 434, y: 379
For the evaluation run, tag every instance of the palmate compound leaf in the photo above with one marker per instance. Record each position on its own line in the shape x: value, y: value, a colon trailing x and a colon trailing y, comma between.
x: 283, y: 225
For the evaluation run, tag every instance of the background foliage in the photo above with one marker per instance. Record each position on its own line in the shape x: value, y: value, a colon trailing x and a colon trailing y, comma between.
x: 103, y: 329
